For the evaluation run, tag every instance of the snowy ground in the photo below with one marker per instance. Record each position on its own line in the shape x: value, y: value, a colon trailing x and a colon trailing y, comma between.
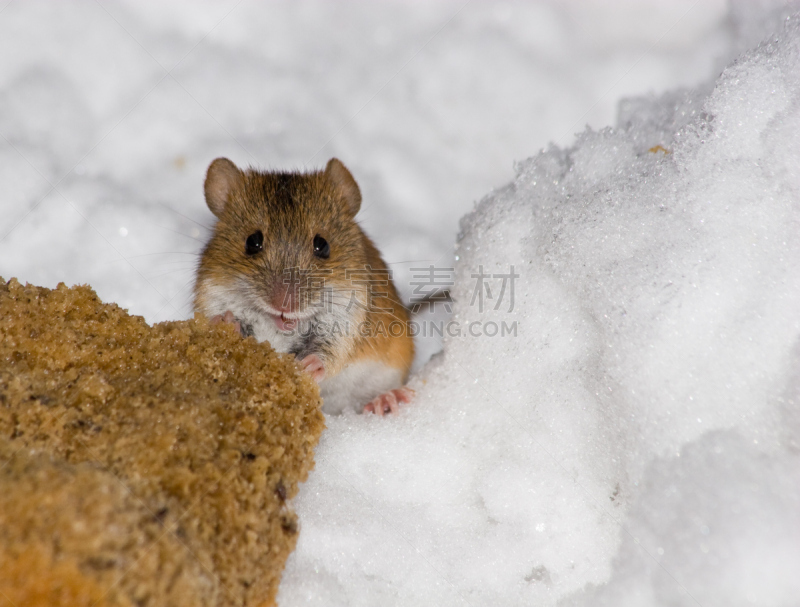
x: 636, y: 443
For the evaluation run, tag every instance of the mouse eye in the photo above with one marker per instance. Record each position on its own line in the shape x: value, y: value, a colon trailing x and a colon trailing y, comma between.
x: 254, y: 243
x: 321, y: 247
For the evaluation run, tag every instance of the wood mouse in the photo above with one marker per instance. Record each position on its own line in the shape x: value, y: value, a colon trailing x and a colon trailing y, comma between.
x: 288, y: 264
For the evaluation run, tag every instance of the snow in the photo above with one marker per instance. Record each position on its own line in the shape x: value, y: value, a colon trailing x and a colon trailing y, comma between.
x: 636, y: 439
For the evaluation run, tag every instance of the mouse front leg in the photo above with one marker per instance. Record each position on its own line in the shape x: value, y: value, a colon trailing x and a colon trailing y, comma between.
x: 313, y: 365
x: 244, y: 329
x: 227, y: 317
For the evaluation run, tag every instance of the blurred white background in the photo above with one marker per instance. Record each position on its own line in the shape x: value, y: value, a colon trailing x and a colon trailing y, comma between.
x: 110, y: 113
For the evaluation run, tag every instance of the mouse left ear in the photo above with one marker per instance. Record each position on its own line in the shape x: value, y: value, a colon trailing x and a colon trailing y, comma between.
x: 344, y: 183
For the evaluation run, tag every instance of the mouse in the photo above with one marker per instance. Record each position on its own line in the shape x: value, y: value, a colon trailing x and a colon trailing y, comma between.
x: 287, y: 263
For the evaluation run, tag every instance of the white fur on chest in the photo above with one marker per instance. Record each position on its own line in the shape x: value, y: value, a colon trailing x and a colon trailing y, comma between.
x: 221, y: 299
x: 353, y: 387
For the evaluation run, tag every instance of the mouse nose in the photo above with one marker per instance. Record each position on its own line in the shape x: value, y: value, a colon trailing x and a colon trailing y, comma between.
x: 284, y: 298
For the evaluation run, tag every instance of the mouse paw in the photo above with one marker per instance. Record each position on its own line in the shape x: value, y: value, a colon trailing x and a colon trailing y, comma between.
x: 313, y: 364
x: 389, y: 402
x: 227, y: 317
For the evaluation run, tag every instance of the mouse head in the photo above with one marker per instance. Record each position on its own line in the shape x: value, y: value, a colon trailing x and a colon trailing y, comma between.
x: 284, y: 240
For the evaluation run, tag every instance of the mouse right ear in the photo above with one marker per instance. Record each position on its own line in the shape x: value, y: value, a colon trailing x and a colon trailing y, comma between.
x: 221, y: 178
x: 345, y: 184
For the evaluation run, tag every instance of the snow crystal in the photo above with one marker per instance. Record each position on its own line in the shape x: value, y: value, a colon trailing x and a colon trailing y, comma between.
x: 716, y: 526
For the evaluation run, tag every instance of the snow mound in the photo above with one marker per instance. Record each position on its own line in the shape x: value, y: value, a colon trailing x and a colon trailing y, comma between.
x: 634, y: 437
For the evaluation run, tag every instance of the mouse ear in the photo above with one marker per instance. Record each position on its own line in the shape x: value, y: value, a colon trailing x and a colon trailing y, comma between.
x: 344, y: 183
x: 221, y: 178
